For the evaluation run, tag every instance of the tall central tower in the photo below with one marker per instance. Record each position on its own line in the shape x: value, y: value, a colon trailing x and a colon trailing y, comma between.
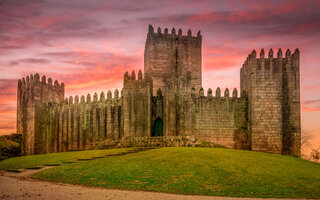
x: 168, y: 56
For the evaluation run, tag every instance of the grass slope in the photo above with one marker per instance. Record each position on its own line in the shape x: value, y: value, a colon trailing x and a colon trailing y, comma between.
x: 202, y: 171
x: 53, y: 158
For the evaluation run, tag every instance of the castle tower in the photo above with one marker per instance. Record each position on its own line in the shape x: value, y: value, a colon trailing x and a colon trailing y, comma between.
x: 32, y: 95
x: 173, y: 61
x: 136, y: 107
x: 272, y: 86
x: 162, y: 53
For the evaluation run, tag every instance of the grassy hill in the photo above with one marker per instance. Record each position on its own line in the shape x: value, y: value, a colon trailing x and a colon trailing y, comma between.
x: 24, y: 162
x: 202, y: 171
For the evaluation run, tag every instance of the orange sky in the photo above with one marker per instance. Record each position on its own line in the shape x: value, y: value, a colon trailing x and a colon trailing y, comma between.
x: 89, y: 45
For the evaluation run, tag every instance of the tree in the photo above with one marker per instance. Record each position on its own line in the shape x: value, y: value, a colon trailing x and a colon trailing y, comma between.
x: 306, y: 145
x: 306, y: 137
x: 315, y: 154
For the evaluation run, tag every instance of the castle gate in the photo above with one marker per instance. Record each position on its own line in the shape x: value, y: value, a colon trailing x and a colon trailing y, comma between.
x: 158, y: 127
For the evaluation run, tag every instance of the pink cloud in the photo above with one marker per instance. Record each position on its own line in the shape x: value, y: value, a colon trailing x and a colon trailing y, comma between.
x: 206, y: 16
x: 49, y: 21
x: 311, y: 105
x: 221, y: 62
x: 89, y: 46
x: 245, y: 16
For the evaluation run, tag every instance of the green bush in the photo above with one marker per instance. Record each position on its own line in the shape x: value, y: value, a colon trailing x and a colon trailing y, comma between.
x: 10, y: 146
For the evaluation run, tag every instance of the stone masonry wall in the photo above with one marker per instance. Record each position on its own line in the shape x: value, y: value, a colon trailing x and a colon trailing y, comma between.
x: 272, y: 86
x: 137, y: 96
x: 74, y: 125
x: 32, y: 94
x: 160, y: 54
x: 220, y: 119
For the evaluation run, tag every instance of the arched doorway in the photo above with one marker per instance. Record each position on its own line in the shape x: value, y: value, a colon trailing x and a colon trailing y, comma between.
x: 158, y: 127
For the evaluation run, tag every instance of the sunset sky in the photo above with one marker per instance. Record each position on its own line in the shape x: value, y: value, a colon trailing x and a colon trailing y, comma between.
x: 89, y: 45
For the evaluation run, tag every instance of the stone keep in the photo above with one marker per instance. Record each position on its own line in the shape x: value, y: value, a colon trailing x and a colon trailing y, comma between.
x: 168, y: 101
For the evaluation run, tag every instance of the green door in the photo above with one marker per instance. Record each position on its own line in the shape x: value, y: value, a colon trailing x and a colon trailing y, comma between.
x: 158, y: 127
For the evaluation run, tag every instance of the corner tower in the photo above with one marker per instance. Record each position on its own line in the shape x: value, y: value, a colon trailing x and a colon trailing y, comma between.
x: 32, y: 96
x: 273, y: 89
x: 168, y: 56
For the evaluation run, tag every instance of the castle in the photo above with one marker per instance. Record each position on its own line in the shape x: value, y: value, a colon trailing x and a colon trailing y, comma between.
x: 168, y: 101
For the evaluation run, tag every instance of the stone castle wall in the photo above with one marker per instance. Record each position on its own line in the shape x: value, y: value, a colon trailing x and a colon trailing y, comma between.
x: 32, y: 95
x: 167, y: 103
x: 78, y: 124
x: 220, y: 119
x: 272, y: 85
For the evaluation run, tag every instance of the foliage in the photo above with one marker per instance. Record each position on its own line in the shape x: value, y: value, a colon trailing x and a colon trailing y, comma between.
x: 10, y: 146
x: 200, y: 171
x: 315, y: 154
x: 306, y: 137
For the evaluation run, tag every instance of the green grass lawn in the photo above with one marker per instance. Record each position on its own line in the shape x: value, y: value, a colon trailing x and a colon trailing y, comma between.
x: 53, y: 158
x: 202, y: 171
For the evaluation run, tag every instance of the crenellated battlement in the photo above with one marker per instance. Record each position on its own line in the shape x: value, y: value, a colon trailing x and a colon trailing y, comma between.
x: 33, y: 80
x: 135, y: 80
x: 218, y: 95
x: 132, y: 77
x: 87, y: 99
x: 173, y: 35
x: 270, y: 63
x: 34, y: 91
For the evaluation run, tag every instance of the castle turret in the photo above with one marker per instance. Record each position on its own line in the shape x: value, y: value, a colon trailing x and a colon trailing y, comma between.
x: 32, y: 96
x: 272, y: 86
x: 136, y: 109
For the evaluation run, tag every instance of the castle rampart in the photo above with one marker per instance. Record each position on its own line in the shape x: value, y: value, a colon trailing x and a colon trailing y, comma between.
x: 167, y: 102
x: 220, y: 119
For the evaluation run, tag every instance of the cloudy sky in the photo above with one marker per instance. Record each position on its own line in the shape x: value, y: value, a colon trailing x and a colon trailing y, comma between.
x: 89, y: 45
